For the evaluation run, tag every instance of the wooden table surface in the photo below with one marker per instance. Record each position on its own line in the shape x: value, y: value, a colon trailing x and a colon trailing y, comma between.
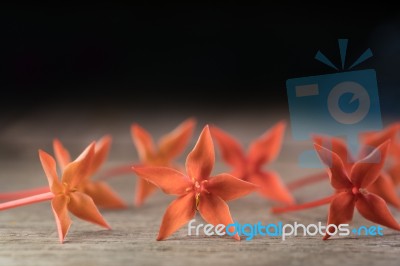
x: 28, y: 234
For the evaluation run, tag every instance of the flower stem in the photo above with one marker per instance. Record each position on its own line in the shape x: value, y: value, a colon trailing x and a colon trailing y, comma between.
x: 26, y: 201
x: 303, y: 206
x: 23, y: 193
x: 307, y: 180
x: 116, y: 171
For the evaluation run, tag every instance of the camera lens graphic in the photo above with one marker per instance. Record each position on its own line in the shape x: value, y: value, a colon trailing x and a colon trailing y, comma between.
x: 359, y: 93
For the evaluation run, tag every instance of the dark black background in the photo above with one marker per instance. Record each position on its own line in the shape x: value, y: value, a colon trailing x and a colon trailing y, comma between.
x: 221, y: 56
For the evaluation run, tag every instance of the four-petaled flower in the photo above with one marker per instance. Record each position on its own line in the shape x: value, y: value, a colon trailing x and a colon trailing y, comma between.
x: 249, y: 167
x: 99, y: 191
x: 170, y: 146
x: 196, y: 190
x: 67, y: 197
x: 383, y: 185
x: 351, y: 188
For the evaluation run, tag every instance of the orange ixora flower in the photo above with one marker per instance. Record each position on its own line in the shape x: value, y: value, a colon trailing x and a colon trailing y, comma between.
x: 249, y: 167
x: 64, y: 194
x: 196, y: 190
x: 99, y: 191
x: 169, y: 147
x: 382, y: 186
x: 67, y: 197
x: 351, y: 189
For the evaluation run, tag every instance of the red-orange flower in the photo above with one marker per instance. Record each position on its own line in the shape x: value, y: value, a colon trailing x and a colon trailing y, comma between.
x: 249, y: 167
x: 99, y: 191
x: 382, y: 186
x: 351, y: 188
x: 196, y: 190
x: 67, y: 197
x: 170, y: 147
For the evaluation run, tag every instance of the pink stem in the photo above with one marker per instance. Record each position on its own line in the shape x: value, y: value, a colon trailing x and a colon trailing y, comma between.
x: 303, y: 206
x: 113, y: 172
x: 117, y: 171
x: 26, y: 201
x: 23, y: 193
x: 307, y: 180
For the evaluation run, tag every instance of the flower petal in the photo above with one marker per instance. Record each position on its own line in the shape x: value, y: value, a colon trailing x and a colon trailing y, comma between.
x: 168, y: 179
x: 336, y: 145
x: 373, y: 139
x: 143, y: 142
x: 374, y: 208
x: 271, y: 187
x: 83, y: 207
x: 394, y: 172
x: 59, y: 206
x: 200, y: 161
x: 267, y: 147
x: 178, y: 213
x: 341, y: 210
x: 386, y: 189
x: 395, y: 150
x: 62, y: 155
x: 103, y: 196
x: 228, y: 187
x: 337, y: 173
x: 367, y: 170
x: 49, y: 167
x: 143, y: 189
x: 78, y: 170
x: 231, y: 151
x: 101, y: 151
x: 214, y: 210
x: 174, y: 143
